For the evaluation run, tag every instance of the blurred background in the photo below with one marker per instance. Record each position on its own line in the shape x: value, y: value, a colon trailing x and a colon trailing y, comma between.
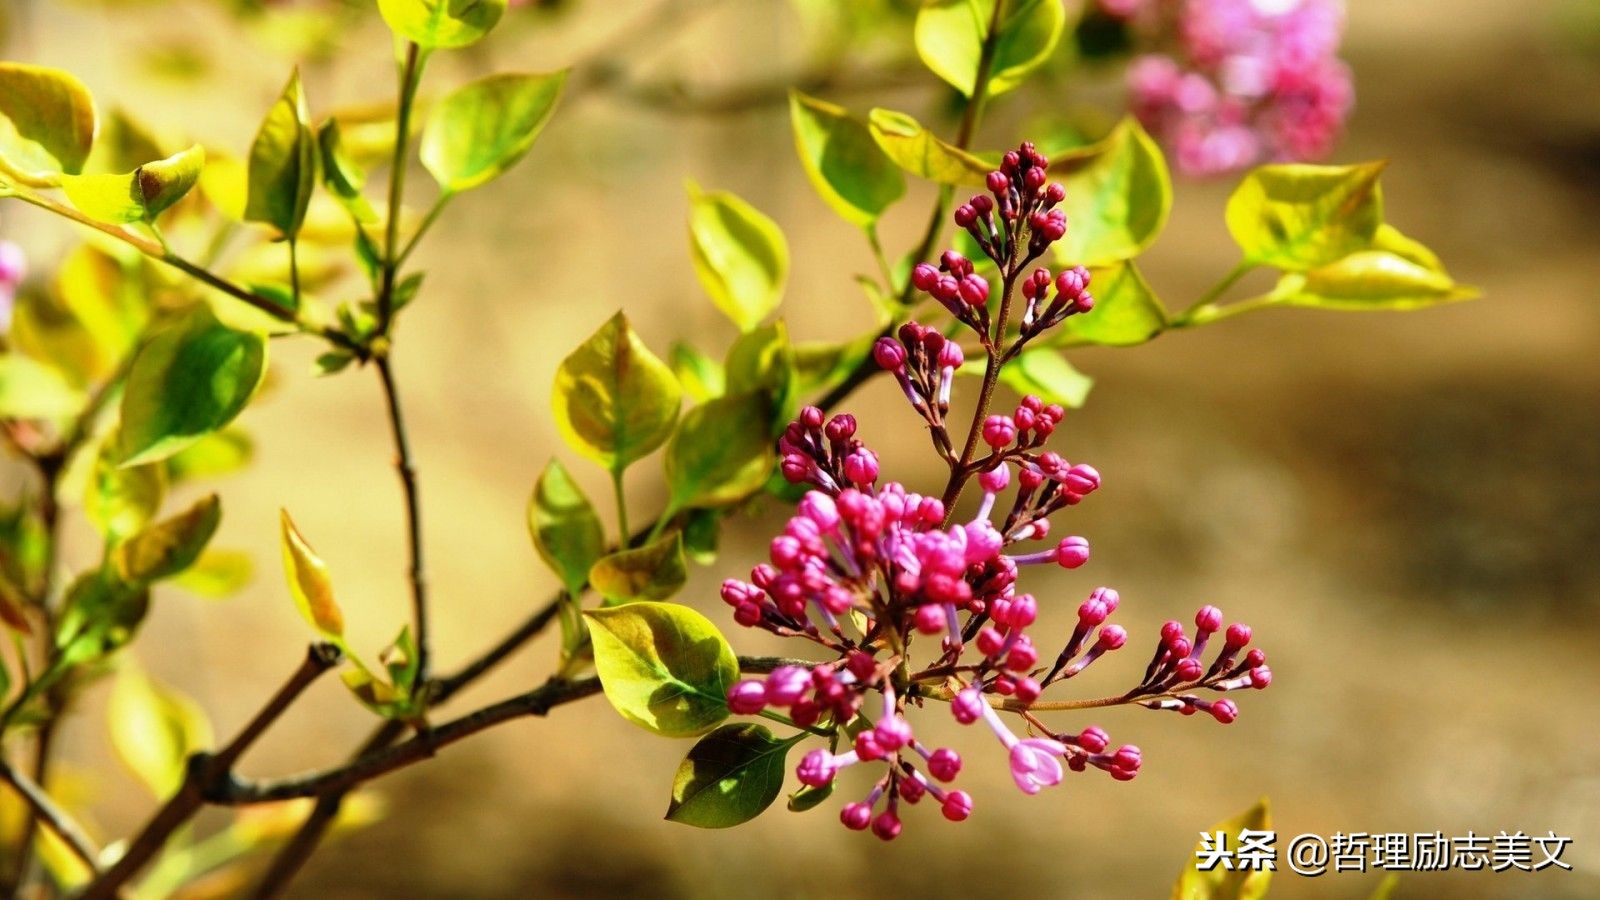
x: 1406, y: 507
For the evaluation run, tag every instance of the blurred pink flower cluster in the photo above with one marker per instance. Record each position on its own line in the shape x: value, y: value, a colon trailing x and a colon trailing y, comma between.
x: 1233, y: 83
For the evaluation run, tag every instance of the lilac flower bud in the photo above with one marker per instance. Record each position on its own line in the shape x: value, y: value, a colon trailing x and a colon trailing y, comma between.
x: 1112, y: 637
x: 965, y: 216
x: 1028, y: 690
x: 748, y: 615
x: 1072, y: 552
x: 982, y: 203
x: 995, y: 480
x: 796, y: 468
x: 861, y: 466
x: 811, y: 417
x: 1108, y: 596
x: 957, y: 806
x: 893, y: 733
x: 1082, y: 479
x: 968, y: 706
x: 924, y: 277
x: 1093, y: 739
x: 955, y: 263
x: 1238, y: 635
x: 944, y: 764
x: 1260, y: 677
x: 747, y: 697
x: 999, y: 431
x: 950, y: 356
x: 786, y: 684
x: 1224, y: 711
x: 1256, y: 657
x: 1208, y: 619
x: 817, y: 768
x: 1054, y: 193
x: 989, y: 641
x: 889, y: 354
x: 856, y: 816
x: 820, y: 508
x: 841, y: 428
x: 929, y: 618
x: 974, y: 290
x: 1072, y: 282
x: 1092, y: 612
x: 867, y: 746
x: 1171, y: 631
x: 886, y: 826
x: 997, y: 182
x: 1189, y: 669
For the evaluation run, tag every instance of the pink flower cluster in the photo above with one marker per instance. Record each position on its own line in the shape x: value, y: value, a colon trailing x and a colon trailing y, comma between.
x: 13, y: 268
x: 868, y: 569
x: 1232, y: 83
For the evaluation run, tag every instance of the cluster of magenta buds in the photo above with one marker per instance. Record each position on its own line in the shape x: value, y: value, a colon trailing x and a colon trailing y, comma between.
x: 869, y: 571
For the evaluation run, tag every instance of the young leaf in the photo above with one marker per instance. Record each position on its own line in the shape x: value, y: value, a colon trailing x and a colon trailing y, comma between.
x: 762, y: 361
x: 1118, y: 196
x: 615, y: 401
x: 566, y: 531
x: 701, y: 376
x: 216, y: 574
x: 441, y: 23
x: 219, y: 453
x: 701, y: 535
x: 845, y: 165
x: 140, y: 195
x: 101, y: 614
x: 309, y: 583
x: 1390, y: 239
x: 341, y: 175
x: 920, y: 152
x: 1297, y: 217
x: 188, y: 380
x: 949, y: 36
x: 121, y: 500
x: 1126, y: 311
x: 655, y: 571
x: 47, y: 123
x: 1369, y: 280
x: 663, y: 666
x: 154, y: 729
x: 730, y: 776
x: 1227, y: 884
x: 1047, y: 374
x: 739, y: 254
x: 721, y: 453
x: 169, y: 546
x: 33, y: 390
x: 807, y: 797
x: 483, y: 128
x: 283, y: 163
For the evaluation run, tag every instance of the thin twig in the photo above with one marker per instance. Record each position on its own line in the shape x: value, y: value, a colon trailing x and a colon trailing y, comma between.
x: 203, y: 769
x: 417, y: 573
x: 58, y: 820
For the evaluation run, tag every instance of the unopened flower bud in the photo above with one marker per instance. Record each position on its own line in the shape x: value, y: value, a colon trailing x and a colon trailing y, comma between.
x: 1209, y: 618
x: 999, y: 431
x: 1112, y: 637
x: 889, y: 354
x: 887, y: 825
x: 1224, y: 711
x: 1238, y: 635
x: 747, y: 697
x: 1072, y: 552
x: 944, y: 764
x: 957, y: 806
x: 856, y: 816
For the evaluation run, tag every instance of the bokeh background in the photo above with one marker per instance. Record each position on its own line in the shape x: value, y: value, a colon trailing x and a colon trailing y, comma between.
x: 1406, y: 507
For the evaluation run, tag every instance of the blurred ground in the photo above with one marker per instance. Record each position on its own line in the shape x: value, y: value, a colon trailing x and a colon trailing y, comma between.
x: 1405, y: 507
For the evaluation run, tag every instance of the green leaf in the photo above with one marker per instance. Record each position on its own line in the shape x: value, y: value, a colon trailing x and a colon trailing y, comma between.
x: 1118, y: 196
x: 1047, y: 374
x: 47, y: 123
x: 614, y: 401
x: 701, y: 533
x: 219, y: 453
x: 1126, y: 311
x: 1297, y: 217
x: 721, y: 453
x: 920, y: 152
x: 140, y: 195
x: 188, y: 380
x: 283, y: 163
x: 808, y: 797
x: 169, y: 546
x: 309, y: 583
x: 949, y: 36
x: 483, y: 128
x: 441, y: 23
x: 663, y: 666
x: 33, y: 390
x: 216, y: 574
x: 762, y: 361
x: 102, y: 613
x: 341, y: 175
x: 566, y: 531
x: 154, y: 729
x: 845, y: 164
x: 122, y: 499
x: 739, y: 254
x: 1225, y: 884
x: 729, y: 777
x: 1389, y: 238
x: 701, y: 376
x: 1371, y: 280
x: 819, y: 365
x: 655, y: 571
x: 1386, y: 888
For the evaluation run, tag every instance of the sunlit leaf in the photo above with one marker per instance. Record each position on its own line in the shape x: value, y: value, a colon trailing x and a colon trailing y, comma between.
x: 701, y: 376
x: 189, y: 379
x: 950, y: 35
x: 33, y: 390
x: 341, y: 175
x: 1298, y: 216
x: 309, y: 583
x: 1370, y: 280
x: 154, y: 729
x: 1045, y: 373
x: 763, y: 362
x: 1118, y: 196
x: 1126, y: 310
x: 663, y: 666
x: 615, y: 401
x: 729, y: 777
x: 845, y: 165
x: 217, y: 573
x: 1227, y: 884
x: 484, y: 127
x: 740, y: 256
x: 920, y: 152
x: 283, y: 163
x: 441, y: 23
x: 140, y: 195
x: 122, y: 499
x: 566, y: 530
x: 47, y: 123
x: 219, y: 453
x: 169, y: 546
x: 722, y: 452
x: 655, y: 571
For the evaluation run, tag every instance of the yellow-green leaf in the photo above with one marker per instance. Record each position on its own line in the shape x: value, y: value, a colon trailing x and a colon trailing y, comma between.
x: 949, y: 36
x: 140, y: 195
x: 309, y: 583
x: 1045, y: 373
x: 217, y: 573
x: 845, y: 164
x: 441, y: 23
x: 47, y: 123
x: 154, y: 729
x: 1369, y: 280
x: 740, y: 256
x: 729, y: 777
x: 342, y: 176
x: 701, y: 376
x: 120, y: 500
x: 663, y: 666
x: 169, y: 546
x: 283, y: 163
x: 190, y: 379
x: 721, y: 453
x: 920, y: 152
x: 1126, y: 310
x: 484, y: 127
x: 566, y: 530
x: 615, y: 401
x: 1118, y: 196
x: 1298, y: 216
x: 33, y: 390
x: 1225, y: 884
x: 655, y: 571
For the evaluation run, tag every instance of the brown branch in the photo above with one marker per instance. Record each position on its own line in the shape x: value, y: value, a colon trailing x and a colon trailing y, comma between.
x: 54, y: 817
x: 417, y: 575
